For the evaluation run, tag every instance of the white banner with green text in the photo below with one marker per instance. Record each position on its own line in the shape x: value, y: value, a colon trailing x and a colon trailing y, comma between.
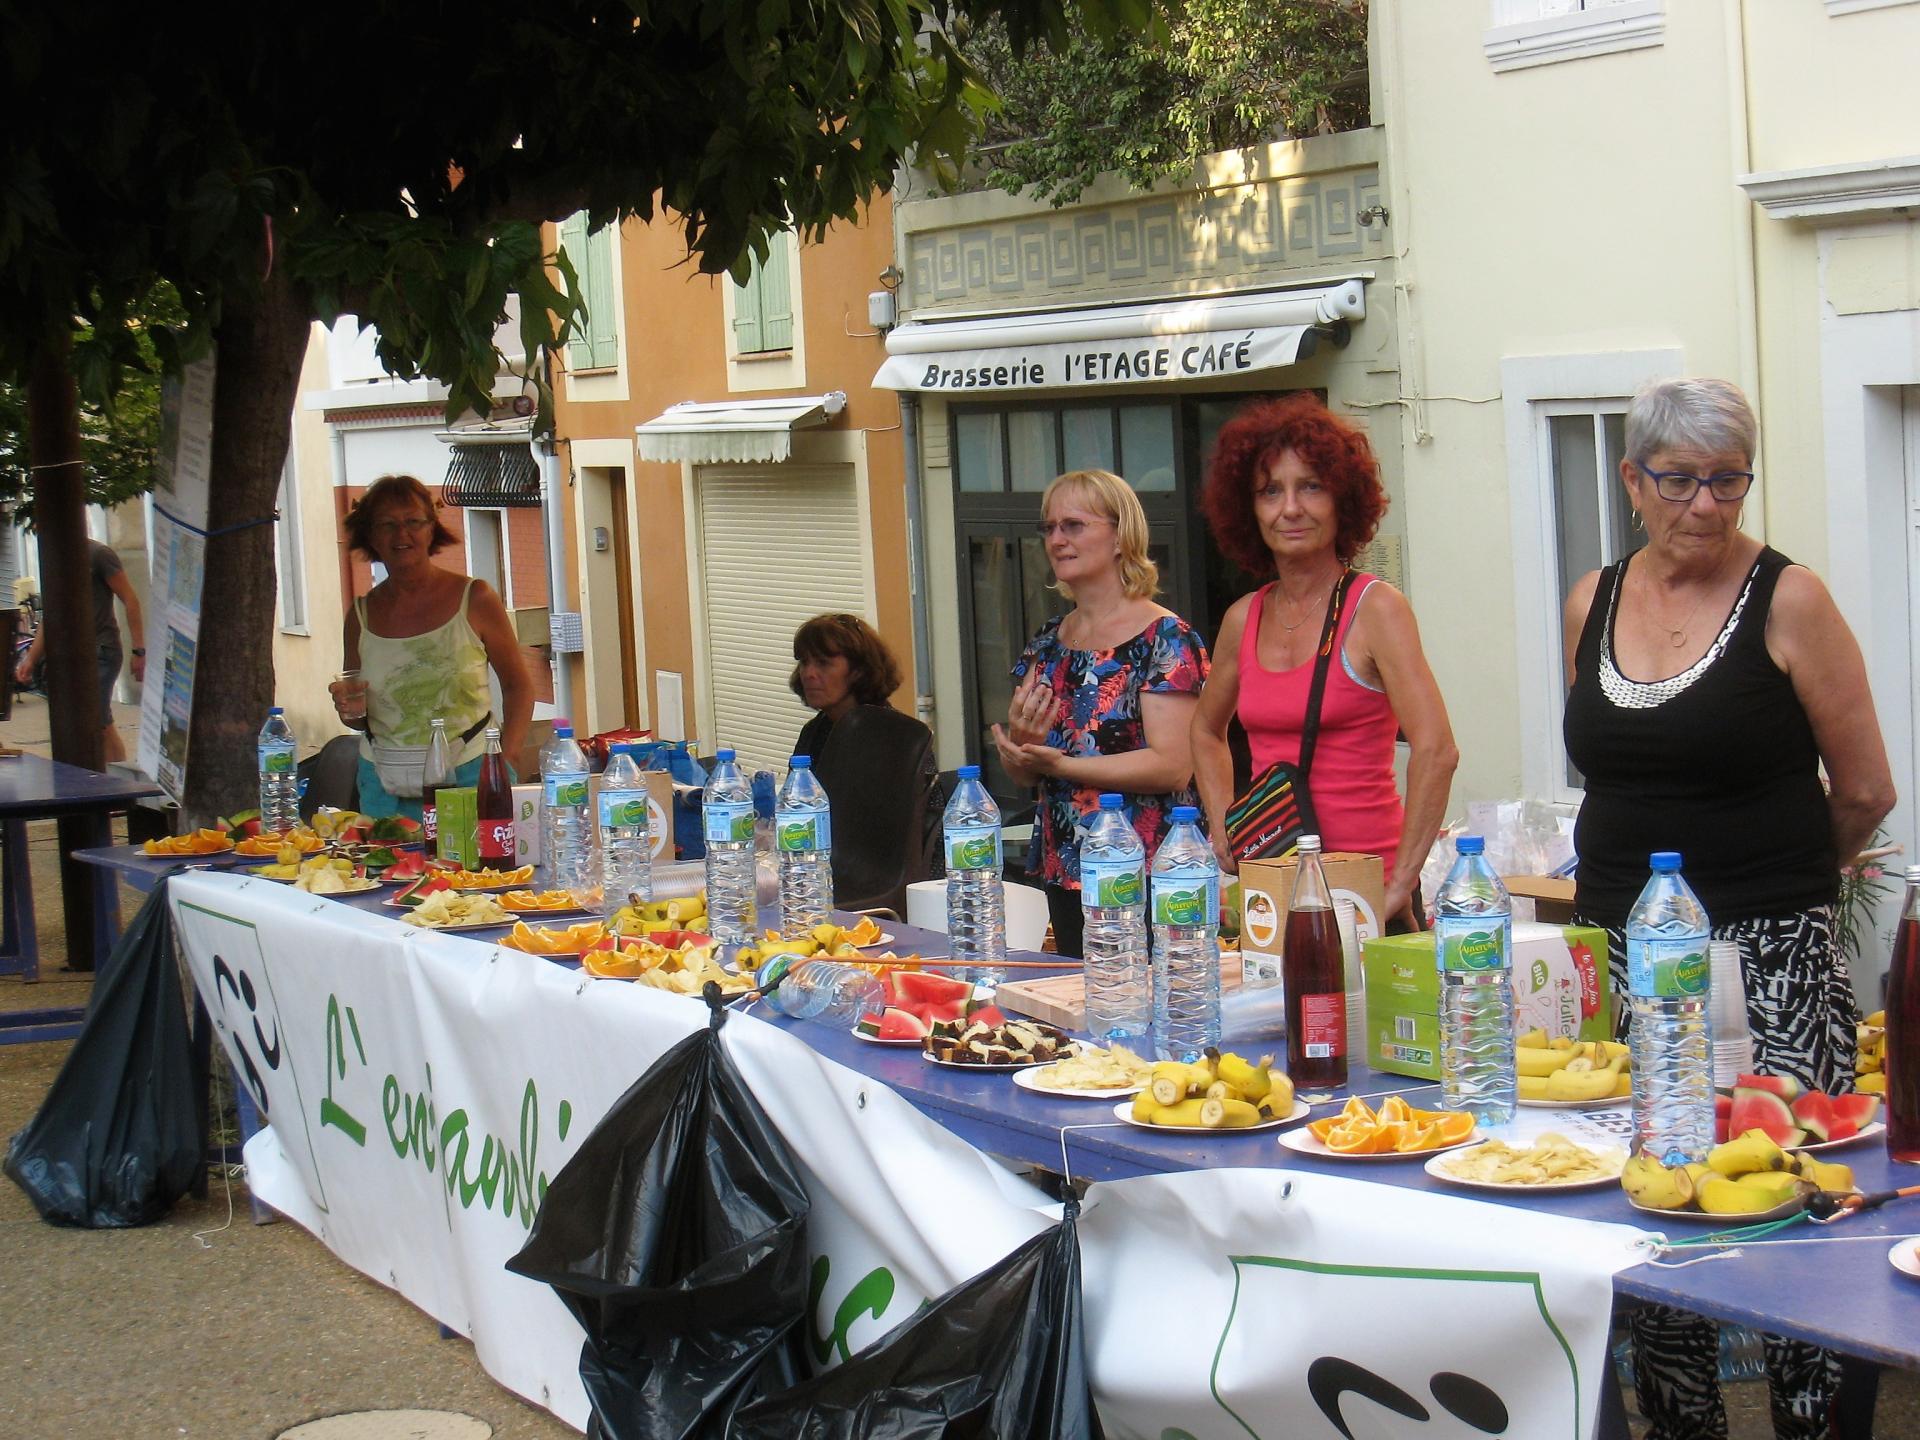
x: 420, y: 1091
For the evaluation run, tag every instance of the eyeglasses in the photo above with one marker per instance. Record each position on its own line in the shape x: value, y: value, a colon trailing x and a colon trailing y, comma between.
x: 387, y: 529
x: 1680, y: 487
x: 1069, y: 529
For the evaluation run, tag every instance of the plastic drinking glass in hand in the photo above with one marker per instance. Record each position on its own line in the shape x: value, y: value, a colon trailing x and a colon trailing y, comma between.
x: 352, y: 693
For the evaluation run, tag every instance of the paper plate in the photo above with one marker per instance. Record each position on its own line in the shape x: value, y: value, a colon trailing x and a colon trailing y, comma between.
x: 470, y: 925
x: 1605, y: 1103
x: 914, y: 1040
x: 1439, y: 1171
x: 1001, y: 1067
x: 1724, y: 1222
x: 886, y: 938
x: 1124, y: 1111
x: 1866, y: 1132
x: 1305, y: 1142
x: 1030, y: 1080
x: 1905, y: 1257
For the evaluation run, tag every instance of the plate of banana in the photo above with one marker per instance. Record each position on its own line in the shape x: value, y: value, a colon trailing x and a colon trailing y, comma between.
x: 1569, y: 1074
x: 1216, y: 1092
x: 1741, y: 1182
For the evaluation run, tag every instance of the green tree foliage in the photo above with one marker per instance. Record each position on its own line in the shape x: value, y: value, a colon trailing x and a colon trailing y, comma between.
x: 394, y: 160
x: 117, y: 436
x: 1224, y: 74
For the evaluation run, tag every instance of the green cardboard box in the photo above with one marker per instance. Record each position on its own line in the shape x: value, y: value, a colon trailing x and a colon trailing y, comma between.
x: 457, y: 820
x: 1559, y: 985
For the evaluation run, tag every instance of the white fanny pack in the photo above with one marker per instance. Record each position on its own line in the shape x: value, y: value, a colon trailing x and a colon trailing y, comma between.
x: 403, y: 768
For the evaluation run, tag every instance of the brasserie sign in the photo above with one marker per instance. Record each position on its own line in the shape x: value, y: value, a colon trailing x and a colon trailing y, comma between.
x: 1148, y: 359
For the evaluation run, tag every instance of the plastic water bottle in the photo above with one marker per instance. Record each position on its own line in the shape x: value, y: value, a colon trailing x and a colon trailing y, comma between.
x: 1185, y: 891
x: 565, y: 825
x: 279, y: 777
x: 1473, y: 946
x: 1727, y: 1014
x: 821, y: 990
x: 726, y: 816
x: 1113, y: 898
x: 976, y: 899
x: 1668, y: 969
x: 803, y: 838
x: 626, y: 837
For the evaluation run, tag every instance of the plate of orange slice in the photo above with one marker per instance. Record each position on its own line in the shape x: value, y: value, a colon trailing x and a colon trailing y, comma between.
x: 268, y: 842
x: 489, y: 879
x: 539, y: 902
x: 194, y: 842
x: 554, y: 942
x: 1396, y: 1131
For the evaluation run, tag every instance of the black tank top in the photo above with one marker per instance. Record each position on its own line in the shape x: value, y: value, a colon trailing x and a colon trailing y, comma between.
x: 1718, y: 762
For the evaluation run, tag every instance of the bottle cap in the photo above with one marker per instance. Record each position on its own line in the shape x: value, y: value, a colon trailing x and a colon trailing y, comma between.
x: 1662, y: 860
x: 493, y: 732
x: 1111, y: 801
x: 275, y: 710
x: 1469, y: 845
x: 563, y: 732
x: 801, y: 762
x: 1188, y: 813
x: 620, y: 747
x: 723, y: 757
x: 1913, y: 874
x: 1310, y: 844
x: 439, y: 722
x: 969, y: 772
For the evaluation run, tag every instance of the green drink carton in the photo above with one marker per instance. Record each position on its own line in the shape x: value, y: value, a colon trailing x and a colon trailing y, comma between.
x: 1559, y: 986
x: 458, y: 823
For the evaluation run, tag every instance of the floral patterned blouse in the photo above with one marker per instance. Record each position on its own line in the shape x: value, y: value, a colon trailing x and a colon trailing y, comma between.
x: 1097, y: 712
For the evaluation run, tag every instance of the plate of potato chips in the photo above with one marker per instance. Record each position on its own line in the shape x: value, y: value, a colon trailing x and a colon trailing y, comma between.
x: 1089, y: 1073
x: 452, y: 910
x: 1549, y: 1162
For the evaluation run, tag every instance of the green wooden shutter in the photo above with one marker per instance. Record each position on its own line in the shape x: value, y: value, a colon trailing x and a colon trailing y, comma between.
x: 573, y: 240
x: 776, y: 298
x: 603, y: 308
x: 746, y: 315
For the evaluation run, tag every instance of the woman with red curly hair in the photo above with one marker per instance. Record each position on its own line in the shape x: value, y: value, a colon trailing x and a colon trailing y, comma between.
x: 1294, y: 492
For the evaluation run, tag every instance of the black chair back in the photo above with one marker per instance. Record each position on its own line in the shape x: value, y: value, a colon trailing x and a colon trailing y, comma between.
x: 331, y: 776
x: 878, y: 770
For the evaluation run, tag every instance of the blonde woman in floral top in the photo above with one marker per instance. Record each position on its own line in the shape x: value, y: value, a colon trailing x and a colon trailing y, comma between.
x: 423, y: 640
x: 1106, y: 692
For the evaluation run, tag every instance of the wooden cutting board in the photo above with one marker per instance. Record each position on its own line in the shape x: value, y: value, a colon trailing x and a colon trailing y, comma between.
x: 1062, y: 999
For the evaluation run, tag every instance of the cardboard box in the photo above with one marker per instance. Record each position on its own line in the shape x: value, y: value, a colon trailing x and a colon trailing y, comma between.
x: 1266, y: 889
x: 1559, y: 985
x: 528, y: 848
x: 457, y: 819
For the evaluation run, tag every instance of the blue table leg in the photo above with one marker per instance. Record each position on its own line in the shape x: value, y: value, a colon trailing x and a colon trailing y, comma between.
x: 19, y: 942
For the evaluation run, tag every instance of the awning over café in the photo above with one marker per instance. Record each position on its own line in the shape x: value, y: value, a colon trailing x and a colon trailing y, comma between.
x: 728, y: 431
x: 1195, y: 338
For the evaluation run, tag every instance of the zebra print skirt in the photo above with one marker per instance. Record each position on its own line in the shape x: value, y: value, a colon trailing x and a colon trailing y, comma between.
x: 1801, y: 1012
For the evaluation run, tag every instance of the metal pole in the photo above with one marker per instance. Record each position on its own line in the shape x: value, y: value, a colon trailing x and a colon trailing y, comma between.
x: 917, y: 560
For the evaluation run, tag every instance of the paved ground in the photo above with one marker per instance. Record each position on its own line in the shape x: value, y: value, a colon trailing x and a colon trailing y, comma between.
x: 206, y: 1325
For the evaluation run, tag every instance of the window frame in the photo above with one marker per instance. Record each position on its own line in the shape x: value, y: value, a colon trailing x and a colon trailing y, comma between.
x: 290, y: 553
x: 1601, y: 28
x: 1536, y: 389
x: 597, y: 351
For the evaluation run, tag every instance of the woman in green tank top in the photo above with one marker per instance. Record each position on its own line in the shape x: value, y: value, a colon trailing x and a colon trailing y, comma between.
x: 423, y: 640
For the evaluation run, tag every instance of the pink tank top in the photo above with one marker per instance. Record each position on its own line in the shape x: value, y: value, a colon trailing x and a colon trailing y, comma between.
x: 1352, y: 776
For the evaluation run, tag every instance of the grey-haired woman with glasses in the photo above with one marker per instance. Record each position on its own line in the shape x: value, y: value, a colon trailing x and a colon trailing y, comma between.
x: 1712, y: 679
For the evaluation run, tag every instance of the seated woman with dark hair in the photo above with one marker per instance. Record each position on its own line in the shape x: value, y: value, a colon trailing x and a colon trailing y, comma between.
x: 841, y: 662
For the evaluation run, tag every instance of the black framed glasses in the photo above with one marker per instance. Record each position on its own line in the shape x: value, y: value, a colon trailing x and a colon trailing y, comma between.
x: 1680, y: 487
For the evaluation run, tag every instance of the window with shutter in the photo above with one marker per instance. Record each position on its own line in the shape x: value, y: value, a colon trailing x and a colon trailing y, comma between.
x: 592, y: 255
x: 763, y: 305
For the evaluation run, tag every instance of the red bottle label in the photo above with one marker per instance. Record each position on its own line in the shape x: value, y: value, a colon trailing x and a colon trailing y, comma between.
x: 430, y: 823
x: 1323, y: 1025
x: 496, y: 840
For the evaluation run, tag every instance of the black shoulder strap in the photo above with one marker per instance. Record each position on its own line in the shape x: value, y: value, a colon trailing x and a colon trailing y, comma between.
x: 1323, y: 661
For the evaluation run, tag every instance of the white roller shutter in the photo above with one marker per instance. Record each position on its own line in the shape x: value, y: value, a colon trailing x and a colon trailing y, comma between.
x: 779, y: 545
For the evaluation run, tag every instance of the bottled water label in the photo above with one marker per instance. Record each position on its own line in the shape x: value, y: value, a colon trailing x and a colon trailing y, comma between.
x: 802, y: 830
x: 565, y: 789
x: 276, y: 759
x: 727, y: 822
x: 1667, y: 969
x: 1469, y: 947
x: 1186, y: 897
x: 1112, y: 884
x: 622, y: 808
x: 973, y: 847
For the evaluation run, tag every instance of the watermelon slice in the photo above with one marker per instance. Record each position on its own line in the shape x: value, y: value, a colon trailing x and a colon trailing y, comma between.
x: 1722, y: 1113
x: 940, y: 1010
x: 893, y: 1024
x: 985, y: 1015
x: 923, y: 987
x: 1814, y: 1111
x: 1762, y: 1110
x: 1859, y: 1110
x: 1785, y: 1086
x: 420, y: 889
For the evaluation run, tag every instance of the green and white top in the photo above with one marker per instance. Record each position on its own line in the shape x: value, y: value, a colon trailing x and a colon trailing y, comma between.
x: 411, y: 680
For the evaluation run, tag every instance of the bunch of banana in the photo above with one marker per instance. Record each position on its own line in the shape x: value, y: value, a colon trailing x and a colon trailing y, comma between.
x: 1870, y: 1070
x: 1744, y: 1176
x: 651, y: 917
x: 1219, y: 1092
x: 1563, y: 1068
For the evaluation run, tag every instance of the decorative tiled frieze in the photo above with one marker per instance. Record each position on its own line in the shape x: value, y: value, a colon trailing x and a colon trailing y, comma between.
x: 1230, y: 236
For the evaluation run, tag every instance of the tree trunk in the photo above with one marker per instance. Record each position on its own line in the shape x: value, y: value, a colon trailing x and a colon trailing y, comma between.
x: 66, y: 578
x: 260, y: 343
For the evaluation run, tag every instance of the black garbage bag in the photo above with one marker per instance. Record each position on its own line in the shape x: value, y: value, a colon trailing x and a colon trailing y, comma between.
x: 122, y: 1133
x: 1000, y: 1357
x: 677, y: 1237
